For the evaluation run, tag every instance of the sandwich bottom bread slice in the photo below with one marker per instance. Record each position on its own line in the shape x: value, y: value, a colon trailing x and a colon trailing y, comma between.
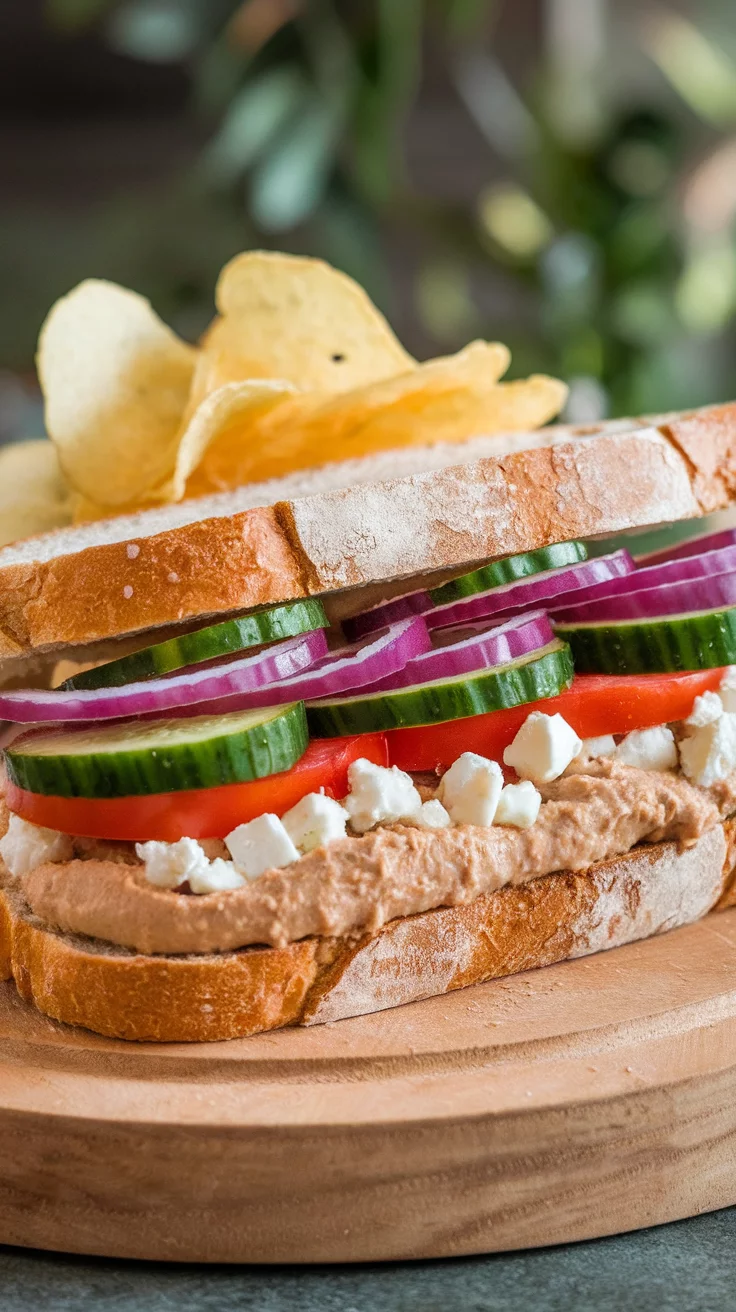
x: 254, y: 824
x: 199, y: 997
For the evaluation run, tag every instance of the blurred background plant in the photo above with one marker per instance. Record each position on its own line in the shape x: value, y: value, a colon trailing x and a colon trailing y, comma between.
x: 559, y: 174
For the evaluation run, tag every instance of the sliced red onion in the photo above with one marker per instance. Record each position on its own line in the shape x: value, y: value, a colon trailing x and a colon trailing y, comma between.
x: 714, y: 592
x: 158, y: 696
x: 654, y: 576
x: 536, y: 590
x: 706, y: 542
x: 356, y: 666
x: 387, y: 612
x: 478, y: 647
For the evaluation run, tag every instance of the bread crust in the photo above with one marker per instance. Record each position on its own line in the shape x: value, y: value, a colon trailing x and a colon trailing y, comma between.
x: 195, y: 999
x: 565, y: 483
x: 707, y: 440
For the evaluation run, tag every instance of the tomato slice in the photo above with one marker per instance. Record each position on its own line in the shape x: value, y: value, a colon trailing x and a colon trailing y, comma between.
x: 595, y: 704
x: 201, y: 812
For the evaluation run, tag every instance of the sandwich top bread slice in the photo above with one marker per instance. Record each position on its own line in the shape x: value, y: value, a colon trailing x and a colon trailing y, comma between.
x: 370, y: 523
x: 335, y: 741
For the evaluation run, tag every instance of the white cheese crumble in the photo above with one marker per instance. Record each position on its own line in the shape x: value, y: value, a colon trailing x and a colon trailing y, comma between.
x: 708, y: 753
x: 543, y: 748
x: 380, y: 795
x: 706, y: 710
x: 519, y: 805
x: 594, y: 748
x: 261, y: 844
x: 470, y: 789
x: 26, y: 846
x: 649, y: 749
x: 432, y: 815
x: 169, y: 865
x: 218, y: 876
x: 315, y: 821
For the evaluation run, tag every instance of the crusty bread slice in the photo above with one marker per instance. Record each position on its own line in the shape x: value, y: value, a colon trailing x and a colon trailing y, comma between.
x: 122, y: 994
x: 345, y: 526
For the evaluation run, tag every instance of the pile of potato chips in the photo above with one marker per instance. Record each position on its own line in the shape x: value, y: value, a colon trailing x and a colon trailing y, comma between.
x: 298, y: 369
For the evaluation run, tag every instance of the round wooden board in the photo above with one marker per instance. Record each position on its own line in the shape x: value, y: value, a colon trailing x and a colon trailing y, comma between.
x: 588, y: 1098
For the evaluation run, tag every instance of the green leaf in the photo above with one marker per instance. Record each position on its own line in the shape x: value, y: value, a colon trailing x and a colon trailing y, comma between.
x: 256, y: 115
x: 288, y: 184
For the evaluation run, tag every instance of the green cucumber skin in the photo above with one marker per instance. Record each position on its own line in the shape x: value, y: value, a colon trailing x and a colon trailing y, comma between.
x: 492, y: 690
x: 659, y: 646
x: 509, y: 570
x: 239, y: 757
x: 231, y: 636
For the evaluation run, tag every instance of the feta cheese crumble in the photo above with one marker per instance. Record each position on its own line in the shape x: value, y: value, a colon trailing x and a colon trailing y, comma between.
x: 261, y: 844
x: 543, y: 748
x: 315, y: 821
x: 26, y: 846
x: 169, y: 865
x: 594, y: 748
x: 219, y: 876
x: 471, y: 788
x: 432, y: 815
x: 706, y: 710
x: 649, y: 749
x: 708, y: 753
x: 519, y: 805
x: 380, y: 795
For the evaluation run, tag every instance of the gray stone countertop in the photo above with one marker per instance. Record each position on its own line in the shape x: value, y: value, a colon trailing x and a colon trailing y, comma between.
x: 687, y: 1267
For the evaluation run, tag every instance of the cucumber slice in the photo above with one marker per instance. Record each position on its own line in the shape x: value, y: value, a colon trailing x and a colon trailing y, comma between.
x: 542, y: 673
x: 700, y: 640
x: 509, y: 569
x: 161, y: 756
x: 216, y: 640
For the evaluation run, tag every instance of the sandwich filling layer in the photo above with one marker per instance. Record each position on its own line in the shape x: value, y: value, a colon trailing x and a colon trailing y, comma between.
x: 355, y: 885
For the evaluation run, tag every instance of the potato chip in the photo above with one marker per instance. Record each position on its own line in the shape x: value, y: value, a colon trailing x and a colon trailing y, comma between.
x: 34, y: 497
x: 284, y: 316
x: 237, y: 410
x: 116, y: 382
x: 300, y: 369
x: 446, y: 400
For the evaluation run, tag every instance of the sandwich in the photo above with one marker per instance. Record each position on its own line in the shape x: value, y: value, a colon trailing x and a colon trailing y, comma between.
x: 290, y: 749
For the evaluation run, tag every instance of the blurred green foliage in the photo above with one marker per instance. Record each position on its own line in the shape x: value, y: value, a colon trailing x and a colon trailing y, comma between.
x: 601, y: 246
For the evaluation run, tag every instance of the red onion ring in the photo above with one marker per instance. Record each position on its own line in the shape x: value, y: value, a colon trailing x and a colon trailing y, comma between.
x: 536, y: 590
x: 186, y: 689
x: 714, y: 592
x: 463, y: 651
x: 698, y: 546
x: 655, y: 576
x: 355, y: 666
x: 386, y: 613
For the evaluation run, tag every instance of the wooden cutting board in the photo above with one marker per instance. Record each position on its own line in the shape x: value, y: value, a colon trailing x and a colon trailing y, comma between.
x: 585, y: 1099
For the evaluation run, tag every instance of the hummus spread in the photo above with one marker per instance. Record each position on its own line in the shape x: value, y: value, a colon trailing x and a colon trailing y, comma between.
x: 355, y: 885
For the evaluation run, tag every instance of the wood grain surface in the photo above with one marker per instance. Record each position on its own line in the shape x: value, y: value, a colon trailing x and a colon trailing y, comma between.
x: 584, y: 1099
